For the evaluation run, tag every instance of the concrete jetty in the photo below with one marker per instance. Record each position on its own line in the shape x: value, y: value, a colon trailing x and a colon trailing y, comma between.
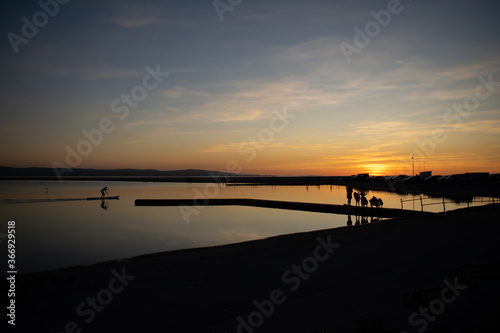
x: 302, y: 206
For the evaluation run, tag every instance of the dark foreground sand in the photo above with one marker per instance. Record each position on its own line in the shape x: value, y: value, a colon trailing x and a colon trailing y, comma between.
x: 373, y: 282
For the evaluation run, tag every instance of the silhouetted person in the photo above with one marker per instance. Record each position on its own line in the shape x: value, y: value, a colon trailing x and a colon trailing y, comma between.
x: 364, y: 201
x: 357, y: 220
x: 356, y: 198
x: 364, y: 219
x: 380, y: 202
x: 349, y: 221
x: 104, y: 192
x: 374, y: 202
x: 349, y: 195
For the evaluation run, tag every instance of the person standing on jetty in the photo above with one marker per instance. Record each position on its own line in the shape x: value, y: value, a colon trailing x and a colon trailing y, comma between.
x: 349, y: 195
x: 357, y: 198
x: 380, y: 202
x: 104, y: 192
x: 364, y: 201
x: 374, y: 202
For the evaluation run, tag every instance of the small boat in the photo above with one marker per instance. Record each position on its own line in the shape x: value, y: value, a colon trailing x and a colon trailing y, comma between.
x: 105, y: 198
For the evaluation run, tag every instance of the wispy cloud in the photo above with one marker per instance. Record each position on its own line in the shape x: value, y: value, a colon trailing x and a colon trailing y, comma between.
x: 133, y: 22
x: 108, y: 73
x: 388, y: 130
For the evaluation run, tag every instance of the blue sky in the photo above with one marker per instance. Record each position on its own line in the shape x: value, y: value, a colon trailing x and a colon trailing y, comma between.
x: 227, y: 78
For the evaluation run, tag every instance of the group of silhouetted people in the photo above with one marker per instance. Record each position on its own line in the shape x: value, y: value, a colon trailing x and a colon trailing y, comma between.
x: 360, y: 199
x: 376, y: 202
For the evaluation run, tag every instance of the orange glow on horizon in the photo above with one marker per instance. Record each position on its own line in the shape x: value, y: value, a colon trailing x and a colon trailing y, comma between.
x: 280, y: 162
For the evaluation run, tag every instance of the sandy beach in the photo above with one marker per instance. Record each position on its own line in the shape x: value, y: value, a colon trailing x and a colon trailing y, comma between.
x: 378, y: 277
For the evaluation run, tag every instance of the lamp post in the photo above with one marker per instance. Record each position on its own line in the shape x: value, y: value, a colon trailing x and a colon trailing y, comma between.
x: 412, y: 166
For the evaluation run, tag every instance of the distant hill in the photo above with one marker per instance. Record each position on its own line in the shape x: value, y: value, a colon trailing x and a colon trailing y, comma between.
x: 49, y: 172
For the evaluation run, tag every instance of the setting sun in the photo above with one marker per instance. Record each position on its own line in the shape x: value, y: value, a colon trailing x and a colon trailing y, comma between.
x: 375, y: 169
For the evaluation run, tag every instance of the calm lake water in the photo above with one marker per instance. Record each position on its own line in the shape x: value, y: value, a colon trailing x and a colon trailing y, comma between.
x: 54, y: 231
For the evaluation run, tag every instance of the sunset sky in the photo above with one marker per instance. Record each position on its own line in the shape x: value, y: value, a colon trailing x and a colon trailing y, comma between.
x: 424, y: 82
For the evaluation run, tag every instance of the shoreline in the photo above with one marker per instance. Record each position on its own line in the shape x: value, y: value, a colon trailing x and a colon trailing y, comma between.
x: 451, y: 189
x: 374, y: 279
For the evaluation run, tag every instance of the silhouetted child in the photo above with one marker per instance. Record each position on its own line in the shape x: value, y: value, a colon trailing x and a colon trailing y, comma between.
x: 356, y: 198
x: 364, y: 201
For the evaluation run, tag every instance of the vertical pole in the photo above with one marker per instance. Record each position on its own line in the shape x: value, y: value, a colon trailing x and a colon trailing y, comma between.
x: 444, y: 207
x: 401, y: 203
x: 421, y: 204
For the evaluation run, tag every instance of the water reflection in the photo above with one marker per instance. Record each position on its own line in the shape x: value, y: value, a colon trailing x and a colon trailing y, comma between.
x: 104, y: 204
x: 362, y: 219
x: 60, y: 227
